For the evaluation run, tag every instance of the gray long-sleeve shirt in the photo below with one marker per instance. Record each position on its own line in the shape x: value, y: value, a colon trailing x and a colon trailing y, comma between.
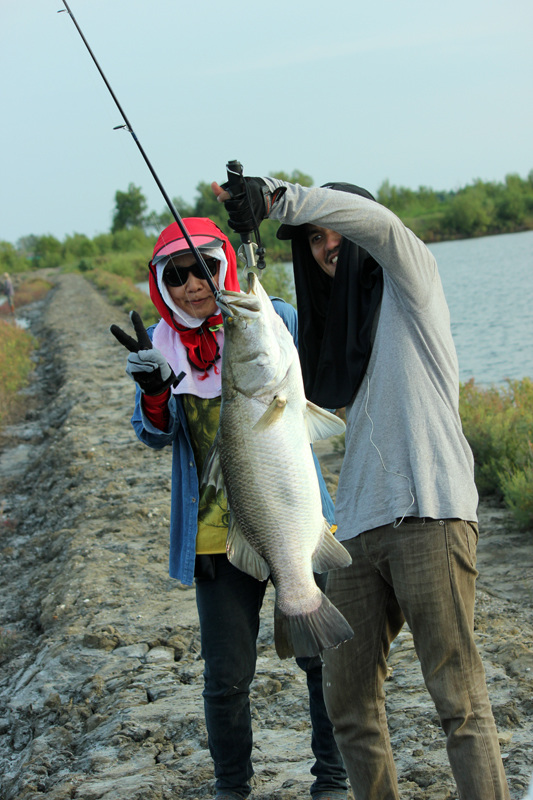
x: 406, y: 454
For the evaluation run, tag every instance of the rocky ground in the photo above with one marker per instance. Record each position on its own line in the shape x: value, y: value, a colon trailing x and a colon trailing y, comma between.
x: 101, y: 677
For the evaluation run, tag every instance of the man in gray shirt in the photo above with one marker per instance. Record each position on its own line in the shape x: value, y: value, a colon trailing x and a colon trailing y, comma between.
x: 375, y: 337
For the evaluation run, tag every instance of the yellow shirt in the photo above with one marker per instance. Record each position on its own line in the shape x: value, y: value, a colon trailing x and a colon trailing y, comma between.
x: 213, y: 516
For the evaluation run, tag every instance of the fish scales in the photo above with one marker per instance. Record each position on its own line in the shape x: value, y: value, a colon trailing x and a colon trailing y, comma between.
x: 284, y: 516
x: 263, y: 451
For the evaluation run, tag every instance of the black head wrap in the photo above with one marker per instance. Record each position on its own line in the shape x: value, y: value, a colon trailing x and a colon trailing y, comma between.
x: 335, y: 315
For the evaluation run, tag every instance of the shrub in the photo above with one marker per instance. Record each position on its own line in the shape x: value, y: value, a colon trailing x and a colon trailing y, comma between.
x: 16, y: 345
x: 517, y: 487
x: 124, y: 241
x: 11, y: 260
x: 498, y: 424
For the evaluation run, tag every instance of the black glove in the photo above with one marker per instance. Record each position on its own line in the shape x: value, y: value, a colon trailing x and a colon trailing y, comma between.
x: 146, y: 364
x: 248, y: 208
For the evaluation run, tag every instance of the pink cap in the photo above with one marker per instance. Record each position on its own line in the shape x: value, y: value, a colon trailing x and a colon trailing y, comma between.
x: 172, y: 240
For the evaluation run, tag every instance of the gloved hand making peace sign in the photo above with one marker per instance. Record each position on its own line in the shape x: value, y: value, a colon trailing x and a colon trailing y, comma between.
x: 146, y: 364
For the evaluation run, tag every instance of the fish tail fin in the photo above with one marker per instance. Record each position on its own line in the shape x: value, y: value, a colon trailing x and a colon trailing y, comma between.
x: 309, y: 634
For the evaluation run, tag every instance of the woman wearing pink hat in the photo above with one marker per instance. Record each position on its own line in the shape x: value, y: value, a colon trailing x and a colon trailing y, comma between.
x: 184, y: 413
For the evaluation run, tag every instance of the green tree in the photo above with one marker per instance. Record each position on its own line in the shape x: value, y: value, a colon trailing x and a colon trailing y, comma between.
x: 79, y: 246
x: 130, y: 209
x: 156, y: 222
x: 386, y: 194
x: 277, y: 280
x: 103, y: 243
x: 47, y: 251
x: 511, y: 204
x: 293, y: 177
x: 131, y: 239
x: 397, y: 198
x: 11, y: 260
x: 470, y: 212
x: 207, y: 205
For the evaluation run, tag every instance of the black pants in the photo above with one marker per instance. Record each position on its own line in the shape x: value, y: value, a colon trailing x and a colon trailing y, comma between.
x: 229, y: 603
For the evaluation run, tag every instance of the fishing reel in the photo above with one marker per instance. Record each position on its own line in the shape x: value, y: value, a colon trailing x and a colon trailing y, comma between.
x: 251, y: 253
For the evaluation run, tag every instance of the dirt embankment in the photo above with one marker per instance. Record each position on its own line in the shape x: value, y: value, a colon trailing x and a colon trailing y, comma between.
x: 100, y: 689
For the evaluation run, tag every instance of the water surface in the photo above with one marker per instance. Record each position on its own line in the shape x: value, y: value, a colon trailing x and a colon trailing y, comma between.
x: 489, y: 288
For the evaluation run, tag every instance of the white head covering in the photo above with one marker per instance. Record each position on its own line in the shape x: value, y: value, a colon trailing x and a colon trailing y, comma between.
x: 168, y: 340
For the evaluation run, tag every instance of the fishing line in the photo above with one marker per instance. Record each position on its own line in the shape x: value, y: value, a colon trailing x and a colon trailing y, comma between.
x: 390, y: 471
x: 127, y: 126
x: 183, y: 283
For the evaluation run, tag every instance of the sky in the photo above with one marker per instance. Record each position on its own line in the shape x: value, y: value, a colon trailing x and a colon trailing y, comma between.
x: 416, y: 93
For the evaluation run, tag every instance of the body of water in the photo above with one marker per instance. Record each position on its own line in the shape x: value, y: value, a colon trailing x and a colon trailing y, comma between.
x: 489, y: 288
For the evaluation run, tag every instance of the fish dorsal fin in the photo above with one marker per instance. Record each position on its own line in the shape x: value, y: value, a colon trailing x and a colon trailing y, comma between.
x: 330, y: 554
x: 242, y: 555
x: 272, y: 414
x: 321, y: 423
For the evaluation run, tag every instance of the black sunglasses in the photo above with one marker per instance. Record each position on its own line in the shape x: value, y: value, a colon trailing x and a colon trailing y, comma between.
x: 177, y: 276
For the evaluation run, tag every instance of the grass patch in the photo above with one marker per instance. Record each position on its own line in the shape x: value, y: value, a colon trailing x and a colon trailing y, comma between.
x: 16, y: 346
x: 30, y: 291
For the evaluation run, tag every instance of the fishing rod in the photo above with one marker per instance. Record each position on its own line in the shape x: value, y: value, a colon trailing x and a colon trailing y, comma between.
x: 127, y: 126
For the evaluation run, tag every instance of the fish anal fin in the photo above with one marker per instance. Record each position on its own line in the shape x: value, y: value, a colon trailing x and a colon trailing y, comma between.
x: 321, y: 423
x: 330, y: 554
x: 272, y: 414
x: 242, y: 555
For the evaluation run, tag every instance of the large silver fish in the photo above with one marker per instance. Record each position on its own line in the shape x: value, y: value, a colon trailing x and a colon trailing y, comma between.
x: 263, y: 451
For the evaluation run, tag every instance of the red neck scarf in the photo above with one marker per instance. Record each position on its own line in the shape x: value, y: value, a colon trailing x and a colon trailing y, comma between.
x: 203, y: 350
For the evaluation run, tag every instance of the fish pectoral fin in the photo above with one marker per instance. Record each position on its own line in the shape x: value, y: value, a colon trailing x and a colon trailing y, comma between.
x: 330, y: 554
x: 242, y: 555
x: 212, y: 469
x: 321, y: 423
x: 272, y: 414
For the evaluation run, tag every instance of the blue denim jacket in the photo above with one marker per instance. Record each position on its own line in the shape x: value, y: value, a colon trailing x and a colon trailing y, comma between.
x: 184, y: 479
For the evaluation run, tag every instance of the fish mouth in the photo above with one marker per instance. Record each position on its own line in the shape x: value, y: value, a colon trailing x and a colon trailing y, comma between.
x: 235, y: 304
x: 225, y: 309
